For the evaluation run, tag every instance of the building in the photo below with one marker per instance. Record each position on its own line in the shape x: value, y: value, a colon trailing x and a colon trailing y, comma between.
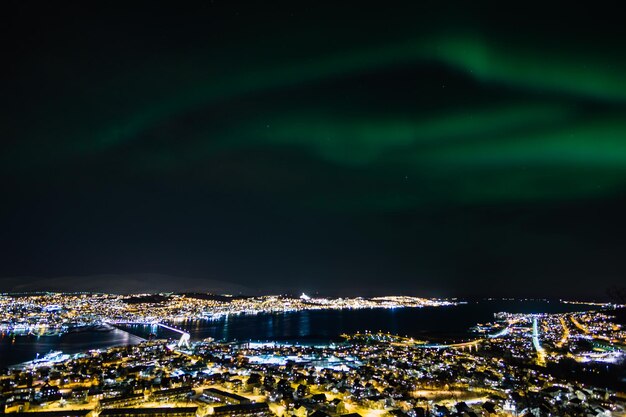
x: 147, y: 412
x: 243, y: 410
x: 219, y: 396
x: 124, y: 401
x: 64, y: 413
x: 173, y: 393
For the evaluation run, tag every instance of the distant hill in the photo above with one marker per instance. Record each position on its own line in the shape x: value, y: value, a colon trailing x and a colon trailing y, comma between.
x: 122, y: 284
x: 214, y: 297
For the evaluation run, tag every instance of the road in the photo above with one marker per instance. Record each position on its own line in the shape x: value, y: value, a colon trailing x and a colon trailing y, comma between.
x: 565, y: 336
x: 580, y: 327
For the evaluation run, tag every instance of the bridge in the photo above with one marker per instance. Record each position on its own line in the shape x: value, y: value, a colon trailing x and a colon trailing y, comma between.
x: 184, y: 338
x: 182, y: 342
x: 461, y: 345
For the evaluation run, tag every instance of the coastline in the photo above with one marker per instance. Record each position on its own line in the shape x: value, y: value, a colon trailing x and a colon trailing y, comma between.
x: 434, y: 324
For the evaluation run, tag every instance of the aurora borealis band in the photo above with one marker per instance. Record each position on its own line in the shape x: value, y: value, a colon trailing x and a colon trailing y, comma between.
x: 442, y: 149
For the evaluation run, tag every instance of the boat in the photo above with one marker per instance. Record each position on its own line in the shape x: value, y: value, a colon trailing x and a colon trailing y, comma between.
x: 51, y: 357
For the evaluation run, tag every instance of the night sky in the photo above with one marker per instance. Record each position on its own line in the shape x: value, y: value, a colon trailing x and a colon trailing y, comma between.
x: 442, y: 148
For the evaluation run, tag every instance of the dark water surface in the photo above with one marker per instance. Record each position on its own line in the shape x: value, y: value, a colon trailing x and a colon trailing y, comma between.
x: 322, y: 325
x: 17, y: 349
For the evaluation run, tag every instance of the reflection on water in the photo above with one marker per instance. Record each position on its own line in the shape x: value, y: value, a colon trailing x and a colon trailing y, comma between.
x: 304, y: 325
x: 320, y: 325
x: 269, y: 324
x: 224, y: 328
x: 24, y: 348
x: 324, y: 325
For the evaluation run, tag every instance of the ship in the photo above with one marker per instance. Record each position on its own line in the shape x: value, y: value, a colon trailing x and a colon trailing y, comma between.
x: 51, y: 357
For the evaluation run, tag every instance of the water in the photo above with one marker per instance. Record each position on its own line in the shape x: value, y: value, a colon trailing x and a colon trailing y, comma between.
x: 17, y: 349
x: 429, y: 322
x: 306, y: 326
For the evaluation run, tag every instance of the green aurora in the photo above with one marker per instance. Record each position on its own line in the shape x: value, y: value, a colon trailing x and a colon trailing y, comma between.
x: 535, y: 132
x: 426, y: 112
